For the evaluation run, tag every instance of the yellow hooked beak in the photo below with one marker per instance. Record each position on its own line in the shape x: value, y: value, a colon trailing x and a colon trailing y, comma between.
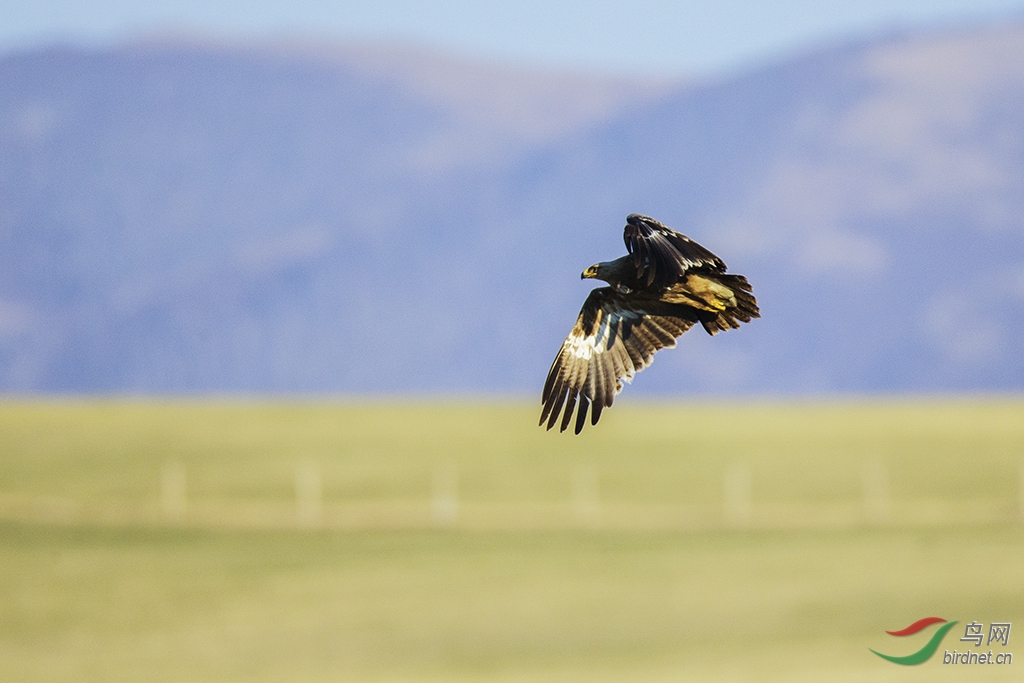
x: 590, y: 272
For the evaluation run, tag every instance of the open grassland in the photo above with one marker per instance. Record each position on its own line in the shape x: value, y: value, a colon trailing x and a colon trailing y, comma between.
x: 328, y: 541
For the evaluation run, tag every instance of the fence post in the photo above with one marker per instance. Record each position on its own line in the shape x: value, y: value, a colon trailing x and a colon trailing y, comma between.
x: 444, y: 502
x: 308, y: 494
x: 737, y: 494
x: 173, y: 496
x: 876, y: 492
x: 586, y: 495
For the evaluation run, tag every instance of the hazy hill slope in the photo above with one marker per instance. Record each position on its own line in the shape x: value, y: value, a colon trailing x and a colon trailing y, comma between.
x: 188, y: 217
x: 874, y: 194
x: 180, y: 218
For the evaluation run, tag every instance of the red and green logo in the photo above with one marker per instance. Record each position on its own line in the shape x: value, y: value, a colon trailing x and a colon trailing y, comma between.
x: 929, y: 648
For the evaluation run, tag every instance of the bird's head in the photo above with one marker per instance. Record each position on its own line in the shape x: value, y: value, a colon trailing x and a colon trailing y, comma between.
x: 591, y: 272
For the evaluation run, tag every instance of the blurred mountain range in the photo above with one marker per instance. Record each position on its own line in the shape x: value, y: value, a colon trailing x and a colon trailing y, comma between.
x: 184, y: 217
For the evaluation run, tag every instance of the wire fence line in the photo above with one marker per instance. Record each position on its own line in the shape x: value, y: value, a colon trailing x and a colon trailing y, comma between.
x: 584, y: 507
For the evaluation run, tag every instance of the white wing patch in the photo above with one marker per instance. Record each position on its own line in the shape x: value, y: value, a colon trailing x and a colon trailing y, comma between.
x: 583, y: 348
x: 587, y: 347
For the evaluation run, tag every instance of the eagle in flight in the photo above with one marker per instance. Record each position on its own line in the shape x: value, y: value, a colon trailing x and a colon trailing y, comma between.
x: 665, y: 284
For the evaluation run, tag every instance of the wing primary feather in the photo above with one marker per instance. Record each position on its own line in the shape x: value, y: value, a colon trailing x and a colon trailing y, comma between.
x: 549, y: 402
x: 581, y: 414
x: 569, y: 406
x: 609, y: 392
x: 636, y: 357
x: 607, y: 383
x: 556, y: 407
x: 553, y: 373
x: 547, y: 407
x: 619, y: 360
x: 597, y: 387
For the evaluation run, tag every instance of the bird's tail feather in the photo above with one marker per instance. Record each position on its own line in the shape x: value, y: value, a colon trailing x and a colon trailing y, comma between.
x: 743, y: 311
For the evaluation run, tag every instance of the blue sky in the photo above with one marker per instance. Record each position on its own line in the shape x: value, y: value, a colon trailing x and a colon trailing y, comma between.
x: 665, y: 37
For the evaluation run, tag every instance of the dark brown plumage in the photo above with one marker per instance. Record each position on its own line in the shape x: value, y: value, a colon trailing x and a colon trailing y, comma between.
x: 665, y: 285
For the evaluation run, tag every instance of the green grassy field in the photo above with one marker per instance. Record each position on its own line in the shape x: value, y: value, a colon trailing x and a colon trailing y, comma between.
x: 320, y: 541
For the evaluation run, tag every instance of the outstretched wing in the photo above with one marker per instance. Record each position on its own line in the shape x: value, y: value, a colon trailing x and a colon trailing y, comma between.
x: 661, y: 255
x: 615, y: 337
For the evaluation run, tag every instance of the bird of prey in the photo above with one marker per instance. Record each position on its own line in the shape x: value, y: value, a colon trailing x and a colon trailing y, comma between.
x: 665, y: 284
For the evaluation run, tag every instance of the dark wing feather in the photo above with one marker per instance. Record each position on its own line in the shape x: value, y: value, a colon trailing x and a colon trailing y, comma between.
x: 661, y: 255
x: 615, y: 337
